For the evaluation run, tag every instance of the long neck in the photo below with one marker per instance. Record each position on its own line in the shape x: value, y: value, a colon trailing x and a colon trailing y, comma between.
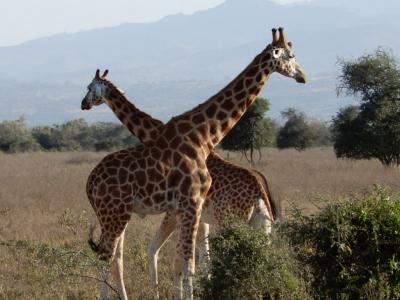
x: 140, y: 124
x: 213, y: 119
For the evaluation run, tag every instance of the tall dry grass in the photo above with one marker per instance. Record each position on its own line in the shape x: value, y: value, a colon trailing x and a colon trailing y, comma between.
x: 302, y: 178
x: 43, y: 203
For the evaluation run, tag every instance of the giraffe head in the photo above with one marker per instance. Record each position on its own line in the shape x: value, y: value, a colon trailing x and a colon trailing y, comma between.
x: 280, y: 57
x: 98, y: 90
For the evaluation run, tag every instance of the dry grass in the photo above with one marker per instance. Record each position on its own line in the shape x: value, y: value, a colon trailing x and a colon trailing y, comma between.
x: 43, y: 202
x: 303, y: 178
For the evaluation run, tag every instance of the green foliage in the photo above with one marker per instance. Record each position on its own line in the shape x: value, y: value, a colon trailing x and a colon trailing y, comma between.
x: 321, y: 134
x: 45, y: 136
x: 300, y: 133
x: 296, y: 133
x: 15, y: 136
x: 110, y: 136
x: 352, y: 247
x: 73, y: 135
x: 245, y: 265
x: 49, y: 270
x: 347, y: 132
x: 375, y: 78
x: 372, y: 76
x: 253, y: 130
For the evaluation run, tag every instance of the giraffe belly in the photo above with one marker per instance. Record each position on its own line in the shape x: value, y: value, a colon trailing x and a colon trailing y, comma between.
x: 145, y: 206
x: 155, y: 203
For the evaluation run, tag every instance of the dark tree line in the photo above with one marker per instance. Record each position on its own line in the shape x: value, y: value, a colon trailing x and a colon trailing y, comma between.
x: 74, y: 135
x: 254, y: 130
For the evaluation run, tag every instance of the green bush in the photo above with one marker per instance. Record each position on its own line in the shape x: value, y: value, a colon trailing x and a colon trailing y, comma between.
x: 16, y: 137
x: 245, y: 265
x: 352, y: 247
x: 73, y: 135
x: 45, y: 136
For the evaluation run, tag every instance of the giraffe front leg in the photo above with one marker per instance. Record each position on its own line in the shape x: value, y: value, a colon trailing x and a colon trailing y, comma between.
x: 188, y: 223
x: 203, y: 245
x: 167, y: 226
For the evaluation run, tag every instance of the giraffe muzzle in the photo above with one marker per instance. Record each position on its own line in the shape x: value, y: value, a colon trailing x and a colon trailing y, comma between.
x: 301, y: 77
x: 85, y: 105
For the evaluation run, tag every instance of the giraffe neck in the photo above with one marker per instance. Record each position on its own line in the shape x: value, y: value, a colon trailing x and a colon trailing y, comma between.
x: 208, y: 123
x: 140, y: 124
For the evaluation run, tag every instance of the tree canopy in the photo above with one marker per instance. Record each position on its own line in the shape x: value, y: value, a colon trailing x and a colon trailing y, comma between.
x: 253, y: 131
x: 295, y: 133
x: 372, y: 129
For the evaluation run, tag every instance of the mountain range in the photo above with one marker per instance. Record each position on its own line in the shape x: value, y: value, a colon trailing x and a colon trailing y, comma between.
x: 169, y: 66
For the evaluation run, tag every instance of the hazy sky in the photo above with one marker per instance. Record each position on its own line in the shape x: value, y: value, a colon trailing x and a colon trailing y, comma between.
x: 22, y: 20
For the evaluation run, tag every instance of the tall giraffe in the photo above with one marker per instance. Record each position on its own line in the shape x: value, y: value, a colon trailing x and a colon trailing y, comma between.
x: 170, y: 174
x: 235, y: 190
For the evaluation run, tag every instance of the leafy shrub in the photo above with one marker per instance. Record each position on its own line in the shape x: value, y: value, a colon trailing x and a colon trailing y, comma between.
x: 16, y: 137
x: 245, y: 265
x: 109, y: 136
x: 352, y: 247
x: 77, y: 135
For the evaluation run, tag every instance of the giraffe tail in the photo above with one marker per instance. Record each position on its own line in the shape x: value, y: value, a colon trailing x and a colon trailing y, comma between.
x: 91, y: 242
x: 276, y: 206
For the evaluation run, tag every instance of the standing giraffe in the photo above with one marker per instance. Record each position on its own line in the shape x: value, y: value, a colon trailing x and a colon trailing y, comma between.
x: 170, y: 174
x: 235, y: 190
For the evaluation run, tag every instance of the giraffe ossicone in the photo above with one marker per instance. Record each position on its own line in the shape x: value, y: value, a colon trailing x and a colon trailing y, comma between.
x: 169, y: 174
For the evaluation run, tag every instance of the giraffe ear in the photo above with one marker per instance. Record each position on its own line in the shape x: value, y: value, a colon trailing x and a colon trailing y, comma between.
x: 97, y: 74
x: 105, y: 73
x: 121, y: 91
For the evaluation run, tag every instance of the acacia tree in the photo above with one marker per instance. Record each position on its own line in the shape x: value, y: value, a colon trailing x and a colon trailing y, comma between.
x: 371, y: 130
x: 252, y: 132
x: 296, y: 132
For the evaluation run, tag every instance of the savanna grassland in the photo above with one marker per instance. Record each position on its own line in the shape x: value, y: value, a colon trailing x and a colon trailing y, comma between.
x: 44, y: 216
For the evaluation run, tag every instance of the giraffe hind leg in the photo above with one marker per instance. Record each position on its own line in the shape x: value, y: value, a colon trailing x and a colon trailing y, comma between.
x: 117, y: 268
x: 261, y: 218
x: 110, y: 250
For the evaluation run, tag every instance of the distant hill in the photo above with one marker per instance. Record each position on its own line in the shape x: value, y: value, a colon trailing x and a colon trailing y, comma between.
x: 169, y: 66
